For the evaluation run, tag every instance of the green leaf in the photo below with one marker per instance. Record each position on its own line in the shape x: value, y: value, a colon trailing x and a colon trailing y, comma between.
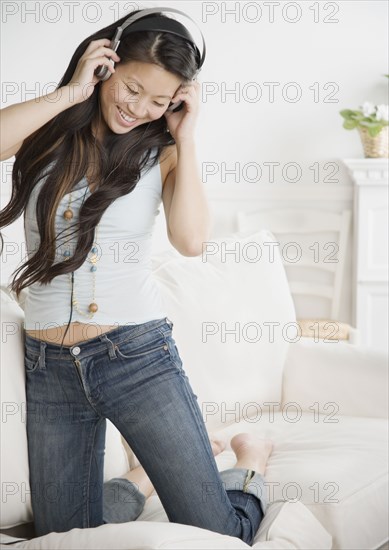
x: 374, y: 131
x: 369, y: 124
x: 346, y: 113
x: 349, y: 124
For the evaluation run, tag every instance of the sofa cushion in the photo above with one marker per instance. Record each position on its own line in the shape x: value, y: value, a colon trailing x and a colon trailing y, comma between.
x: 222, y: 306
x: 16, y: 500
x: 291, y: 525
x: 285, y: 525
x: 134, y: 535
x: 335, y: 465
x: 339, y: 373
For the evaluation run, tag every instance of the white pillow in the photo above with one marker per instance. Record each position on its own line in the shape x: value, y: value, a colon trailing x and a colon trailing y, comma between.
x: 16, y: 499
x: 231, y: 379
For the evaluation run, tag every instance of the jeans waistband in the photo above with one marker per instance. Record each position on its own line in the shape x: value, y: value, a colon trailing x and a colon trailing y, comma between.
x: 96, y: 344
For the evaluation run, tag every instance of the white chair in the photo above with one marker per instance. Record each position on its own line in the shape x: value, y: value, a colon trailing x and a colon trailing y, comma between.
x: 316, y: 271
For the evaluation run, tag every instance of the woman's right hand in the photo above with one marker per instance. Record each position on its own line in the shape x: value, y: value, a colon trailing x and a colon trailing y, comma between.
x: 84, y: 80
x: 20, y: 120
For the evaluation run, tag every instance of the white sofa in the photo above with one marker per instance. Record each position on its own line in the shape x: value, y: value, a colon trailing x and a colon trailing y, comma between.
x: 324, y: 405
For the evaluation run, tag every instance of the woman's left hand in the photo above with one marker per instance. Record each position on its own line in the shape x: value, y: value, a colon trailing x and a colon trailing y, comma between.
x: 182, y: 123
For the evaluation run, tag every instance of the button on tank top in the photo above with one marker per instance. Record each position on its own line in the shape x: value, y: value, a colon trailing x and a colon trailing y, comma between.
x: 125, y: 290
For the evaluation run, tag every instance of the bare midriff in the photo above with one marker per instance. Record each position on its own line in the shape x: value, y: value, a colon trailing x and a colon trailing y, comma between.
x: 77, y: 332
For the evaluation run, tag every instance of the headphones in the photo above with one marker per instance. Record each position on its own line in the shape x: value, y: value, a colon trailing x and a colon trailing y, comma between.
x: 137, y: 22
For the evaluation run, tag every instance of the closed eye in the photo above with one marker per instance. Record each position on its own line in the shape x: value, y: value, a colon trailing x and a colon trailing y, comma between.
x: 134, y: 92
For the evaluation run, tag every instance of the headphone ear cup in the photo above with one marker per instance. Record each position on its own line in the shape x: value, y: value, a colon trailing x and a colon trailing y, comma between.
x: 102, y: 72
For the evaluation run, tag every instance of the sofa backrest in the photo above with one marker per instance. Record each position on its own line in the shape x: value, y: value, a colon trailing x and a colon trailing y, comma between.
x: 232, y: 314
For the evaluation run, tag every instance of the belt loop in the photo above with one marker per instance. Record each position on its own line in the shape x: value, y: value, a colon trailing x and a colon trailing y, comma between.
x: 110, y: 346
x: 169, y: 322
x: 42, y: 355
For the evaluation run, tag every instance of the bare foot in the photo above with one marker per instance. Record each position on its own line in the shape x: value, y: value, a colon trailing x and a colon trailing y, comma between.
x: 218, y: 445
x: 251, y: 451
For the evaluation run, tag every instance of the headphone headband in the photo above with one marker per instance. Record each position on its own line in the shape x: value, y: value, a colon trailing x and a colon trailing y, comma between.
x: 157, y: 23
x: 138, y: 22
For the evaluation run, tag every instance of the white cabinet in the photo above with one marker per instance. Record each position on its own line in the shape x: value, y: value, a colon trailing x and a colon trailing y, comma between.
x: 370, y: 250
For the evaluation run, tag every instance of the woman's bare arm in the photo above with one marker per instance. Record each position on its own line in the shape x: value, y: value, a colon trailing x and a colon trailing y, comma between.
x: 20, y: 120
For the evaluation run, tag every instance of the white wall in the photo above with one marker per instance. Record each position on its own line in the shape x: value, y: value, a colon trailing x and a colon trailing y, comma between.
x: 336, y: 62
x: 351, y: 53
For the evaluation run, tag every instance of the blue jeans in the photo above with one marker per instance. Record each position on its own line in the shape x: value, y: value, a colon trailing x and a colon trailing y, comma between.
x: 132, y: 375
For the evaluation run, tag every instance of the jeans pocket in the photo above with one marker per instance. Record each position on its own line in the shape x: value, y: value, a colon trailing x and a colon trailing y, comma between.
x: 148, y: 343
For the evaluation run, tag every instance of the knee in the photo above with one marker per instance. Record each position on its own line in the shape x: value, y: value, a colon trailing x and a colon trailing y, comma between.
x: 122, y: 501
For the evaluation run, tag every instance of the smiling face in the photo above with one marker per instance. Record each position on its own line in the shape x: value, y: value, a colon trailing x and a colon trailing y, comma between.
x: 134, y: 94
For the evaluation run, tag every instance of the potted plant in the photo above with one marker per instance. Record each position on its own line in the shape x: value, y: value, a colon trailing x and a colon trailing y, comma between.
x: 372, y: 123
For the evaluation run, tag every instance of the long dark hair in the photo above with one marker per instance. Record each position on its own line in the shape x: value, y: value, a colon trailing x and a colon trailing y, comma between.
x: 66, y: 144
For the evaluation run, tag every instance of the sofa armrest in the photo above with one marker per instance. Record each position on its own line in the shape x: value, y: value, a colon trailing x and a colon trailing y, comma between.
x: 336, y: 377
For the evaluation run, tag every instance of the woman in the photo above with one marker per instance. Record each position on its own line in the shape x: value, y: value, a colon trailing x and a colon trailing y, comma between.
x: 93, y: 160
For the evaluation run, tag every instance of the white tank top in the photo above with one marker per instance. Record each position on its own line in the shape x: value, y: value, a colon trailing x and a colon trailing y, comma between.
x: 125, y: 290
